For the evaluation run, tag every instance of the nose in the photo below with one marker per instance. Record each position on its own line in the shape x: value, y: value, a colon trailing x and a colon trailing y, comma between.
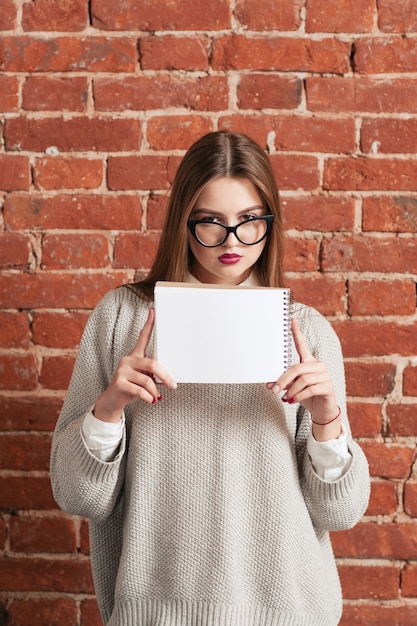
x: 231, y: 230
x: 230, y: 243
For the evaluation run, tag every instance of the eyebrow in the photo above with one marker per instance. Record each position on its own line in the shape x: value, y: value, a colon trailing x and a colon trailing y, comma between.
x: 256, y: 207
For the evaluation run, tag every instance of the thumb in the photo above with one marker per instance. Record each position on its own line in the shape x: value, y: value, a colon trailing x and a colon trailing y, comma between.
x: 144, y: 336
x: 300, y: 343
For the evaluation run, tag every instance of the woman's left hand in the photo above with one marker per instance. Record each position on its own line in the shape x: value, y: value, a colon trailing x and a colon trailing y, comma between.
x: 308, y: 382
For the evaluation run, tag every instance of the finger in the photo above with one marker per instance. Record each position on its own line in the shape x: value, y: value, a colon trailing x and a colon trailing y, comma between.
x: 143, y: 386
x: 296, y: 374
x: 156, y: 373
x: 300, y: 343
x: 136, y: 392
x: 135, y: 382
x: 314, y: 383
x: 144, y: 336
x: 305, y: 396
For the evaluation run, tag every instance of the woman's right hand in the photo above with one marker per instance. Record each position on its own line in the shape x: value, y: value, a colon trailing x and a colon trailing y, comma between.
x: 134, y: 378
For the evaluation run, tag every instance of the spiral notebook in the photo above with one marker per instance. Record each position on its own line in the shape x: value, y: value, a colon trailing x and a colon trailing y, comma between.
x: 222, y: 334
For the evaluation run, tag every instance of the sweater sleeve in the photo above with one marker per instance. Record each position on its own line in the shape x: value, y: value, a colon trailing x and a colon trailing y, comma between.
x: 83, y: 484
x: 337, y: 504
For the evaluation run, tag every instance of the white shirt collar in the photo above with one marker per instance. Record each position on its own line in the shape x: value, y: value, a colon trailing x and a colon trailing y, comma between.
x: 249, y: 282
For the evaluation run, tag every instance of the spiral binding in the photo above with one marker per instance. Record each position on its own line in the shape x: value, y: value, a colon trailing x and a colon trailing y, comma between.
x: 289, y: 310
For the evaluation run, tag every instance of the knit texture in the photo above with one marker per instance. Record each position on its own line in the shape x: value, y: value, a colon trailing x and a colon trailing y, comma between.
x: 211, y: 513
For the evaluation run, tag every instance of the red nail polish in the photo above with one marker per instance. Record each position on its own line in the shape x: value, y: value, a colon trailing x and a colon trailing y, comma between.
x: 153, y: 400
x: 159, y: 397
x: 291, y: 400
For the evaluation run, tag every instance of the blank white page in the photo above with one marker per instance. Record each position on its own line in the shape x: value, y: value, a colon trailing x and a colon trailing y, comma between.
x: 222, y: 334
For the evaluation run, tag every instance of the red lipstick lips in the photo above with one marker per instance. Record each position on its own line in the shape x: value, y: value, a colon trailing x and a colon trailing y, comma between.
x: 229, y: 259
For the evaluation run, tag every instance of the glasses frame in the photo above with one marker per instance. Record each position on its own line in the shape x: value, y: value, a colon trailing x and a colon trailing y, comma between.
x: 192, y: 224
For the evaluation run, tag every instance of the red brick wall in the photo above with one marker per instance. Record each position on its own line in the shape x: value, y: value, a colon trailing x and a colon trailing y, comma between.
x: 98, y: 104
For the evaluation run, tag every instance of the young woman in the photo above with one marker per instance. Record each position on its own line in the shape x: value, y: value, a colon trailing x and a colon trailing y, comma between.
x: 210, y: 505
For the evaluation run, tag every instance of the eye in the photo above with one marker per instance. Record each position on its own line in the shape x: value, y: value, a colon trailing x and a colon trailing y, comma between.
x: 249, y: 216
x: 210, y: 219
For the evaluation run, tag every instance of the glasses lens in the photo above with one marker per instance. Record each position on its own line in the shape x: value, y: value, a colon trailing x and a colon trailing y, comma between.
x: 210, y: 234
x: 252, y: 231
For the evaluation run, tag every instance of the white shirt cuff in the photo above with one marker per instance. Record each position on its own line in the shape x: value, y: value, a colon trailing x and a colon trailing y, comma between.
x: 102, y: 438
x: 331, y: 459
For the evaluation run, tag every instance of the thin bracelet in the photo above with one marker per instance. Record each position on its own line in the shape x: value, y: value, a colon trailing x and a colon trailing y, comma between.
x: 330, y: 421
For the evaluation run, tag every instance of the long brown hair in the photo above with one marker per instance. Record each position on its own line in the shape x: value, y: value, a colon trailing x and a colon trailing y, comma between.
x: 216, y: 155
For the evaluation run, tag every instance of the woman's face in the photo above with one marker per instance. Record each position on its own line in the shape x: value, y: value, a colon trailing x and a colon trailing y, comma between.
x: 228, y: 201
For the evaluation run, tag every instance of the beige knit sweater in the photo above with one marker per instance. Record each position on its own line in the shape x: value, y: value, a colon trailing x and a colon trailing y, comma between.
x: 211, y: 513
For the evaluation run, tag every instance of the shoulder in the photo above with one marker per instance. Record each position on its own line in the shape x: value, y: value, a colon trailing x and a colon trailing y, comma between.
x: 121, y: 311
x: 308, y: 315
x: 126, y: 298
x: 314, y: 326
